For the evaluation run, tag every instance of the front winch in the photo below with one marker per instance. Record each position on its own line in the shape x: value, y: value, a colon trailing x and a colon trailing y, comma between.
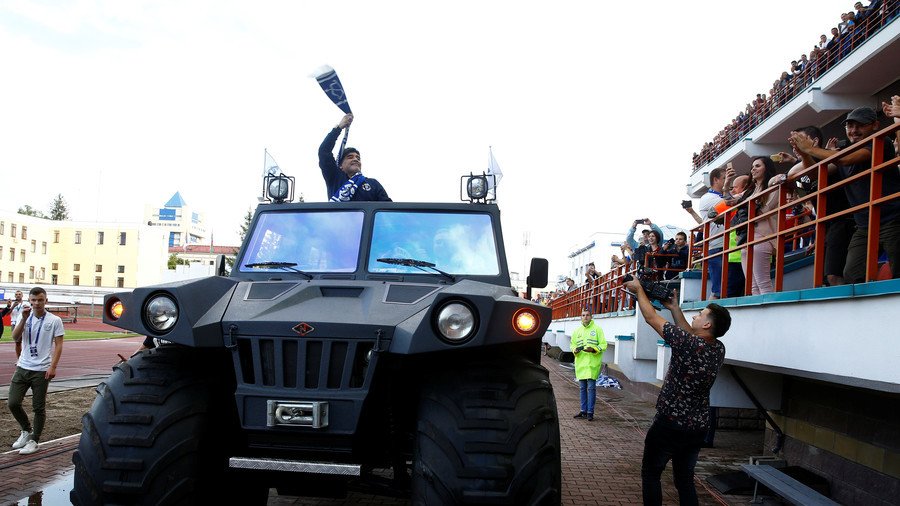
x: 297, y: 414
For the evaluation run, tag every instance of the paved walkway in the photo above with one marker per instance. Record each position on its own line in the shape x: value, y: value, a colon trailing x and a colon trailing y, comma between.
x: 601, y: 459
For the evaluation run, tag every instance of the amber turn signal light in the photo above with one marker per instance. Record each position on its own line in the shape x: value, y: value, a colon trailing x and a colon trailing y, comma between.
x: 116, y: 309
x: 526, y: 321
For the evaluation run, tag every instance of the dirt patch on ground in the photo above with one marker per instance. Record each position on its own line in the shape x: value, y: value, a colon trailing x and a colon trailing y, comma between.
x: 64, y: 411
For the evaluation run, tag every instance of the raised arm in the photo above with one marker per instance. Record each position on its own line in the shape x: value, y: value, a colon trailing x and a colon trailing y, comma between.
x: 629, y: 236
x: 326, y: 149
x: 806, y: 146
x: 892, y: 110
x: 672, y: 305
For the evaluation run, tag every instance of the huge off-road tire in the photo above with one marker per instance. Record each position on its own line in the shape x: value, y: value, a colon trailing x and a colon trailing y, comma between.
x: 159, y: 432
x: 487, y: 433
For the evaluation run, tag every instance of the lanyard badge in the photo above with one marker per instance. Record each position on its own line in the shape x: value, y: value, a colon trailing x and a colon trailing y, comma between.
x: 33, y: 346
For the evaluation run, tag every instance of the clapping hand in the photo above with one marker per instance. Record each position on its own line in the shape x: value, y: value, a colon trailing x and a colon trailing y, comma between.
x: 801, y: 142
x: 892, y: 110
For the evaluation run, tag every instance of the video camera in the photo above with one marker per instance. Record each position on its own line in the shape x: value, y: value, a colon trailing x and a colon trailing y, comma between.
x: 655, y: 290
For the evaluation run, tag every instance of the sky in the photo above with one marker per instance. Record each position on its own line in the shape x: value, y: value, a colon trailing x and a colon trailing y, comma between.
x: 592, y: 109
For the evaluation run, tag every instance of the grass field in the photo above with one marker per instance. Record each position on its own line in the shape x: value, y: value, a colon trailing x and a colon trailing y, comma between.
x: 79, y: 335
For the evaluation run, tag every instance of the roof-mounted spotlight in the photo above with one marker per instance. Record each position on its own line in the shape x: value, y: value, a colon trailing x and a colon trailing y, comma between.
x: 278, y: 188
x: 478, y: 188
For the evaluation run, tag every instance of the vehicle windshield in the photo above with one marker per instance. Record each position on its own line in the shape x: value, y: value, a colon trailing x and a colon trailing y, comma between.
x: 324, y: 241
x: 457, y: 243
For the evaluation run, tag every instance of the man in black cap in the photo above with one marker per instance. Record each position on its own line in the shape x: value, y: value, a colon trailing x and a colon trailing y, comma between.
x: 344, y: 179
x: 861, y: 123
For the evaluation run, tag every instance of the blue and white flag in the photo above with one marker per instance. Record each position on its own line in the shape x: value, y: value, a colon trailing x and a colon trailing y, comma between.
x: 328, y: 80
x: 604, y: 381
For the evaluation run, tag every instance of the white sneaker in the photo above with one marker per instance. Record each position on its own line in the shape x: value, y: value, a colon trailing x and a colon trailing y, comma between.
x: 24, y: 437
x: 30, y: 447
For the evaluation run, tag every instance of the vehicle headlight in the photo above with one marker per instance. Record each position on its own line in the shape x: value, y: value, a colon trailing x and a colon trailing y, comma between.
x: 456, y: 321
x: 477, y: 187
x: 161, y: 313
x: 278, y: 188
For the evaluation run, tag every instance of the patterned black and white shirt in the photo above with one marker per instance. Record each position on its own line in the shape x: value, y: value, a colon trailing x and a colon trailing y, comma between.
x: 684, y: 398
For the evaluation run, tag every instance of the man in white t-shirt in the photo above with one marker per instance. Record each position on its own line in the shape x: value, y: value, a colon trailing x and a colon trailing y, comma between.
x: 39, y: 339
x: 16, y: 309
x: 708, y: 201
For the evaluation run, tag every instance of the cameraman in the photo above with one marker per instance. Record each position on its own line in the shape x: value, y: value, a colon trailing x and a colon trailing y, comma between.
x: 682, y: 409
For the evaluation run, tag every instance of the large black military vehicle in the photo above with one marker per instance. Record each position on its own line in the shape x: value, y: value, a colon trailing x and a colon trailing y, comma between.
x: 372, y: 346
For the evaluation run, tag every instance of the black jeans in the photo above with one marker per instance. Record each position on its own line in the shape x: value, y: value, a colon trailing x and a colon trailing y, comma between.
x: 667, y: 441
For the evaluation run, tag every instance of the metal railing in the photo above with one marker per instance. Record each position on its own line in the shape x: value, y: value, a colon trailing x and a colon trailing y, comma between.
x: 606, y: 294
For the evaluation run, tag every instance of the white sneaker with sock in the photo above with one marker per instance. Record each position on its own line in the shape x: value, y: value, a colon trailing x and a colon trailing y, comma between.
x: 24, y: 437
x: 30, y: 447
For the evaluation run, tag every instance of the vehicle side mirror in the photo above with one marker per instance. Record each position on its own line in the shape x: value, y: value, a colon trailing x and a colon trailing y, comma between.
x: 220, y: 265
x: 537, y: 274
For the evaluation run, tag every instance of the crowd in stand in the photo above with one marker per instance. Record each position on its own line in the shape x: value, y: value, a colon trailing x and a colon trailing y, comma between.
x: 854, y: 28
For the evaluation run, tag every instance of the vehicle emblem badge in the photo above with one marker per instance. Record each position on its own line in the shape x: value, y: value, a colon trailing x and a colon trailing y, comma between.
x: 303, y: 328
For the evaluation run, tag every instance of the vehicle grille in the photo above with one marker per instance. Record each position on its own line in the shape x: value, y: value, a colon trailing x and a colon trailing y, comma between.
x: 304, y: 363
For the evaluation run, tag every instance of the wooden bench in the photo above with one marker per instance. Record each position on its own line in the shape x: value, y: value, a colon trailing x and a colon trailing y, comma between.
x: 785, y: 486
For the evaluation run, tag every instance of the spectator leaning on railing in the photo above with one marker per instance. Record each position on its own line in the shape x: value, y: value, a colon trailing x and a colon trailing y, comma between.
x: 591, y: 274
x: 717, y: 179
x: 654, y: 238
x: 838, y: 231
x: 762, y: 172
x: 678, y: 247
x: 861, y: 123
x: 735, y: 274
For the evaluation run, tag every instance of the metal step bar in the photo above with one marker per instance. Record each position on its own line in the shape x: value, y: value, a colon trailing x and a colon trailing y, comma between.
x: 294, y: 466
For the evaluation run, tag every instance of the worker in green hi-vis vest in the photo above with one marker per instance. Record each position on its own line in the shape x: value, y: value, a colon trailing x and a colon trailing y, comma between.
x: 588, y: 345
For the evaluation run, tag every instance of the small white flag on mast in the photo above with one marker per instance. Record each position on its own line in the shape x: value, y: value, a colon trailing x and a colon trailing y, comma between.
x: 493, y: 169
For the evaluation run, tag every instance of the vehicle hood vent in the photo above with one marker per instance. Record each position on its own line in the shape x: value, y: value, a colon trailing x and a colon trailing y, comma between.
x: 408, y: 294
x: 267, y: 291
x: 341, y: 291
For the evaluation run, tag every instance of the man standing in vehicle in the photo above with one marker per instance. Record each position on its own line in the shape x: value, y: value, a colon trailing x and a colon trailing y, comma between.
x: 42, y: 332
x: 682, y: 408
x: 343, y: 178
x: 588, y: 345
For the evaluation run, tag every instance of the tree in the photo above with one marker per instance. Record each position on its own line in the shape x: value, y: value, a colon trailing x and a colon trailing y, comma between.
x: 174, y: 260
x: 30, y: 211
x: 245, y: 227
x: 59, y: 211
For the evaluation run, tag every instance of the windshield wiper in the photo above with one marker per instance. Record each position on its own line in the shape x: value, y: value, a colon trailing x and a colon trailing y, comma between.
x: 288, y: 266
x: 418, y: 264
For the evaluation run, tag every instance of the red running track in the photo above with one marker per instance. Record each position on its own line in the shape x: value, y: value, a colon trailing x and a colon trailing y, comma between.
x: 79, y: 358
